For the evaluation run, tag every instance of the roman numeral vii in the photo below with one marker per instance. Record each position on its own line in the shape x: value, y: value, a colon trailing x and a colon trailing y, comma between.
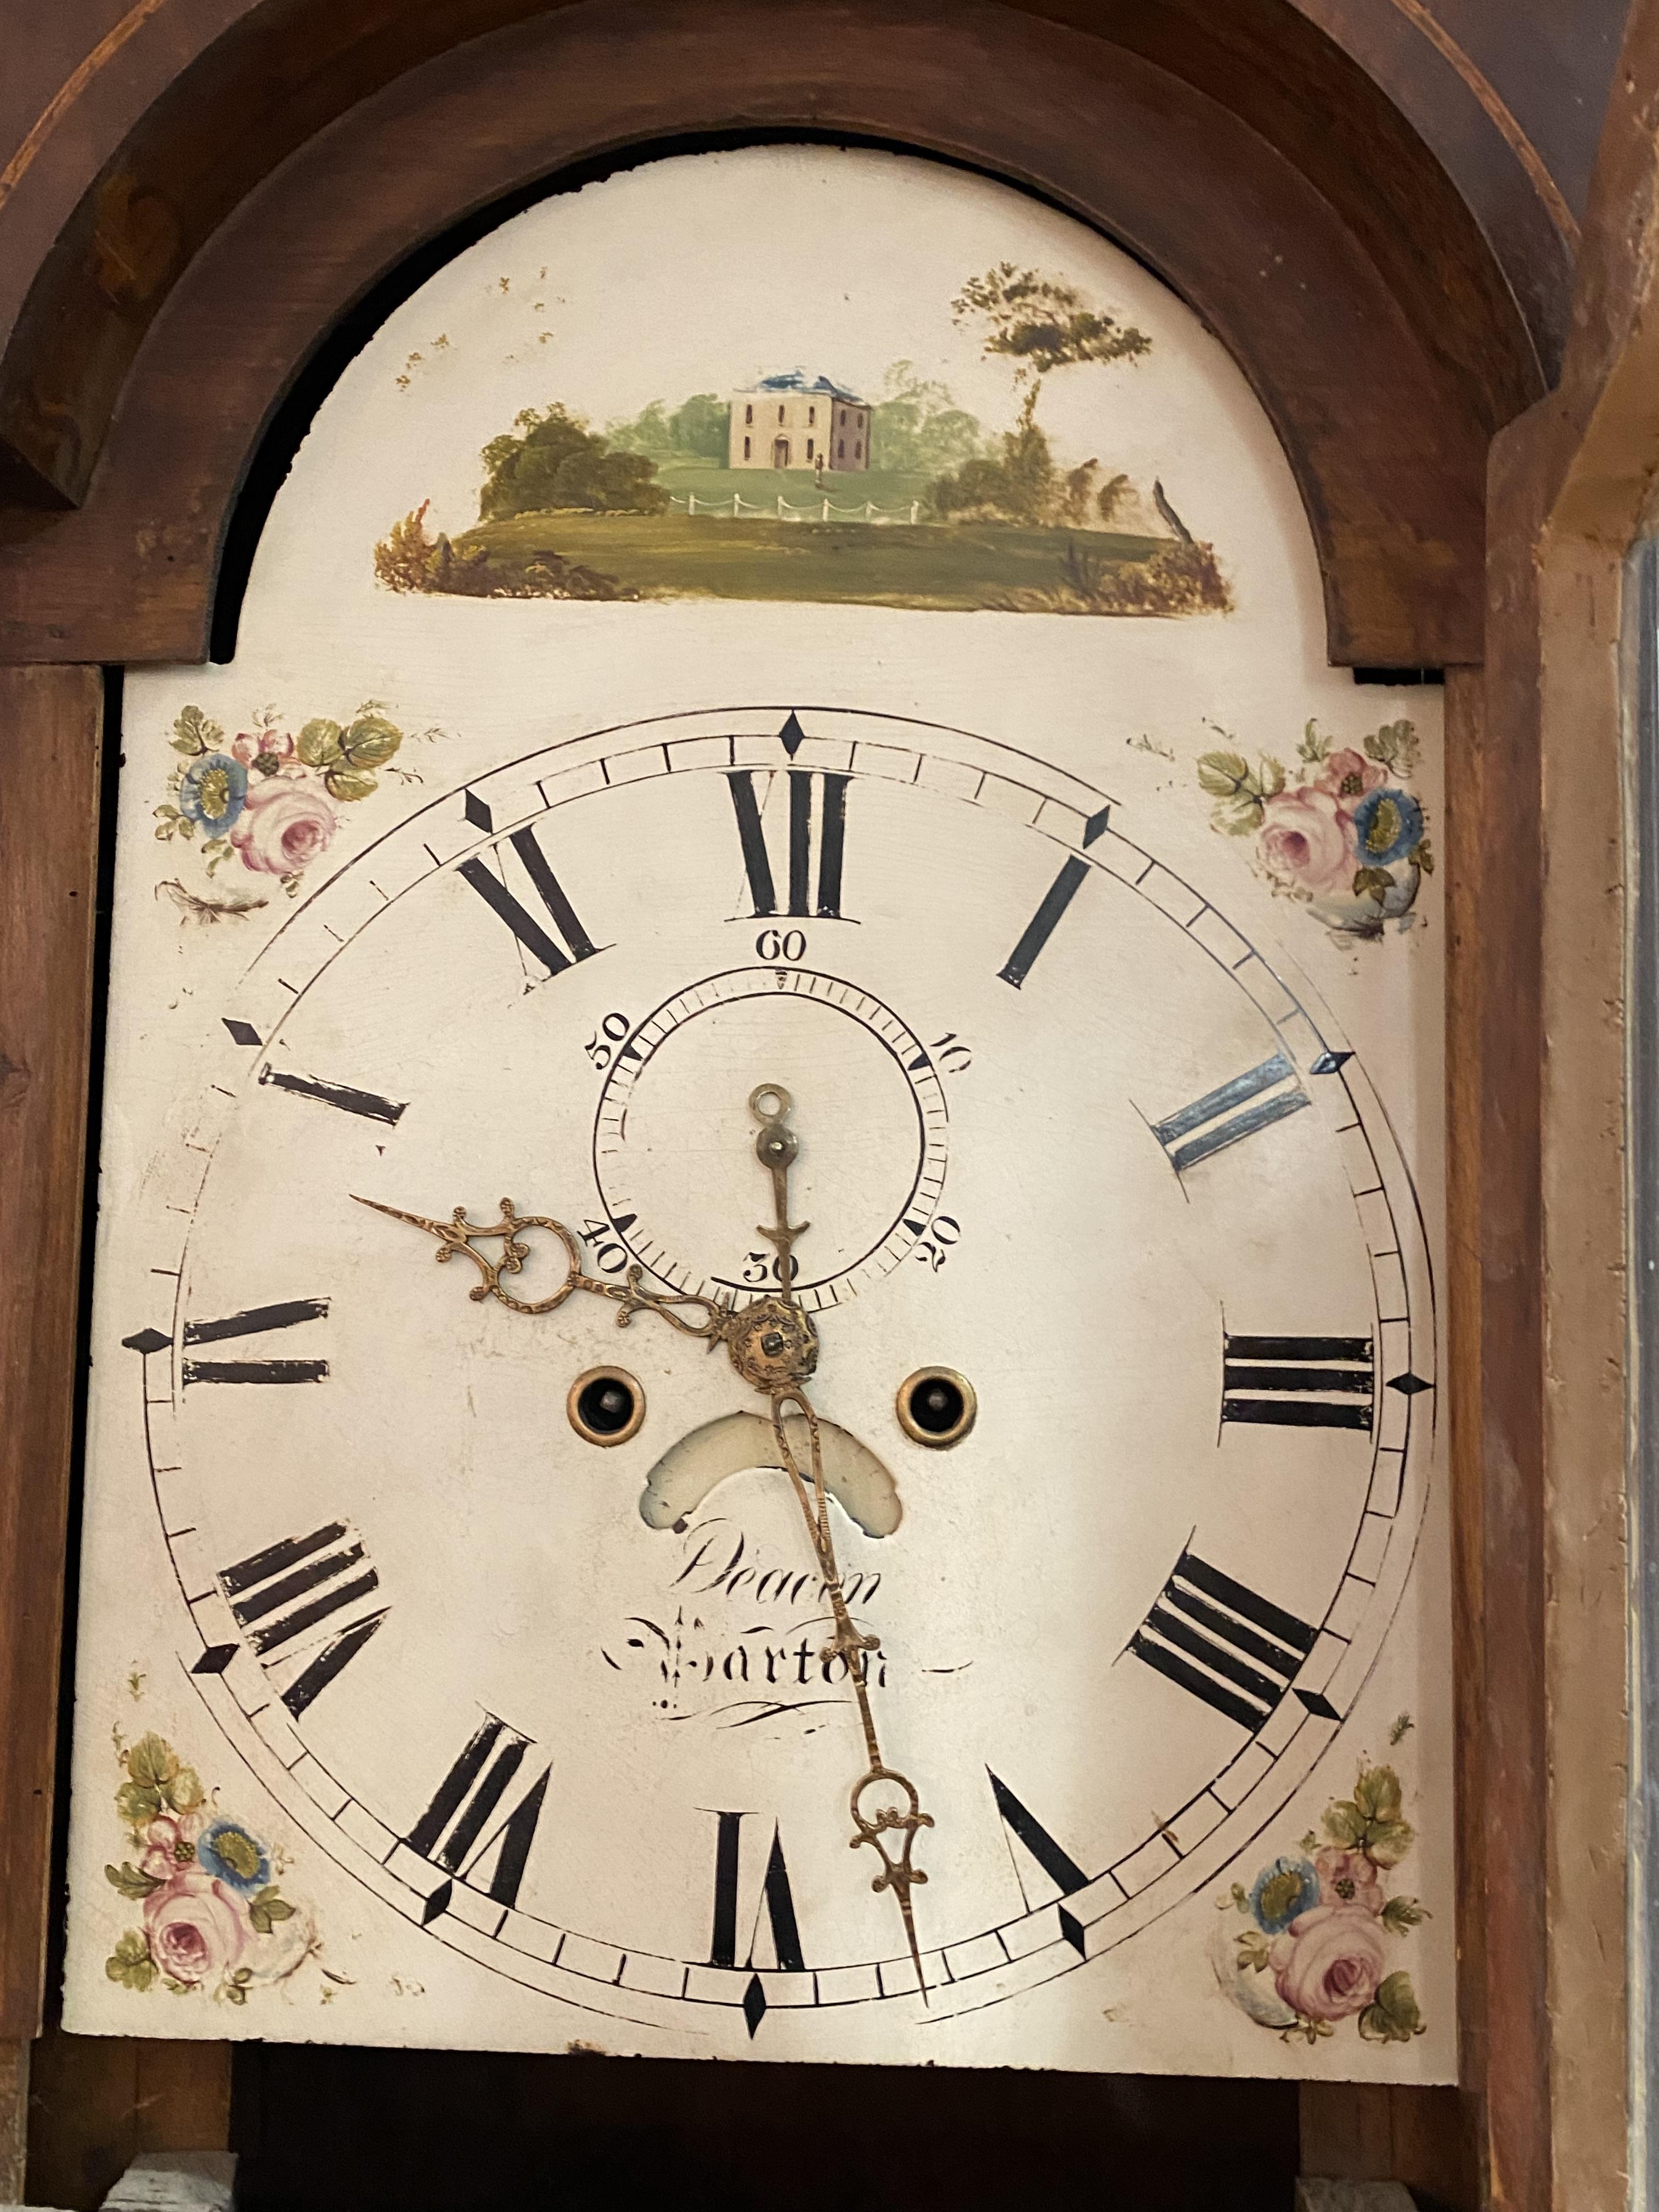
x: 455, y: 1831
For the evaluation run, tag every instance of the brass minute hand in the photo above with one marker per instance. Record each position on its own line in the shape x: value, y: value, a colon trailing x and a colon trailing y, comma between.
x: 885, y: 1824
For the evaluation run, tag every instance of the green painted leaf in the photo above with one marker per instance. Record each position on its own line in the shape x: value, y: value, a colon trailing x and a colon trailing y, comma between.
x: 137, y: 1802
x: 185, y: 1792
x: 130, y: 1963
x: 132, y: 1882
x: 1395, y: 2017
x: 371, y: 741
x: 318, y: 742
x: 1253, y: 1949
x: 1401, y: 1913
x: 1313, y: 748
x: 1378, y: 1794
x: 1387, y: 1842
x: 1372, y: 883
x: 1424, y: 858
x: 266, y: 1909
x: 1224, y: 774
x: 193, y: 732
x: 1344, y: 1823
x: 1273, y: 777
x: 349, y: 783
x: 1236, y: 817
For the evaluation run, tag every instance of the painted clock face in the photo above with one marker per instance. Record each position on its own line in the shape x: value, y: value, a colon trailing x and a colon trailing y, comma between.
x: 1063, y: 1131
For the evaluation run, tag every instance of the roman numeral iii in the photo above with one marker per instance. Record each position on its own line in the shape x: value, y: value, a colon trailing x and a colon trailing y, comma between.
x: 1236, y: 1651
x: 1232, y: 1112
x: 1297, y: 1381
x: 572, y: 943
x: 816, y: 844
x: 290, y: 1595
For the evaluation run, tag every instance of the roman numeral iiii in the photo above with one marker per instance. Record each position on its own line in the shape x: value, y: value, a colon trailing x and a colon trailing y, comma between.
x: 1236, y: 1651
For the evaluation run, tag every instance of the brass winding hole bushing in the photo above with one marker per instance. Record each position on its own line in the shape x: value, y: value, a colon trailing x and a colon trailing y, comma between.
x: 606, y: 1405
x: 936, y: 1407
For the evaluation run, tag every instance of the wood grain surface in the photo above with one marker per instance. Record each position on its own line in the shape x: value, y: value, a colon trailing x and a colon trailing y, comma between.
x: 50, y: 721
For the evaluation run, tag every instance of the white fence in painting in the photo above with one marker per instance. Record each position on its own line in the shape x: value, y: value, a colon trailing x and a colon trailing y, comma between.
x: 783, y: 510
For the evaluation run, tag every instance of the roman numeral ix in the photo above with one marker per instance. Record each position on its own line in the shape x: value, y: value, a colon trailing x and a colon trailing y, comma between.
x: 573, y: 942
x: 453, y: 1833
x: 1210, y: 1634
x: 817, y: 841
x: 1297, y: 1381
x: 1232, y: 1112
x: 291, y: 1592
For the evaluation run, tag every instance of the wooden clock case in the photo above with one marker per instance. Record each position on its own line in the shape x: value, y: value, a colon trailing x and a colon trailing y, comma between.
x: 202, y: 226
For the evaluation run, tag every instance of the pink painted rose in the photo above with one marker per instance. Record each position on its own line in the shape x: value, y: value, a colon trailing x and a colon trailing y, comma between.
x: 1347, y: 776
x: 265, y: 749
x: 285, y: 825
x: 1328, y: 1962
x: 170, y: 1843
x: 1307, y: 841
x: 1348, y: 1877
x: 197, y: 1929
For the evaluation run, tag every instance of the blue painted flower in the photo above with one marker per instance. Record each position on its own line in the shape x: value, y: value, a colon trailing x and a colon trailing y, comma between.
x: 1388, y: 825
x: 213, y: 792
x: 1283, y: 1891
x: 233, y: 1856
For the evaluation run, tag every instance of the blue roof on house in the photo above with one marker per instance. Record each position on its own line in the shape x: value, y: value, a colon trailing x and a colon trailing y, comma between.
x: 797, y: 380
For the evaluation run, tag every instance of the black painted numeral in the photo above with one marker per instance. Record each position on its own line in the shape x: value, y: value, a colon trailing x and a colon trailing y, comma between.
x: 453, y: 1832
x: 574, y: 942
x: 1055, y: 900
x: 368, y: 1104
x: 284, y: 1596
x: 1236, y: 1651
x: 1061, y: 1868
x: 256, y: 1322
x: 1224, y: 1116
x: 816, y: 842
x: 777, y: 1900
x: 1297, y: 1381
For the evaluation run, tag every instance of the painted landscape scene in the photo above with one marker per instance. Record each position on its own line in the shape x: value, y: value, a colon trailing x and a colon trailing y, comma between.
x: 793, y: 485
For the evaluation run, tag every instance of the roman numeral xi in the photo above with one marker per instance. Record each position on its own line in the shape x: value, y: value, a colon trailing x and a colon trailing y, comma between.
x: 556, y: 948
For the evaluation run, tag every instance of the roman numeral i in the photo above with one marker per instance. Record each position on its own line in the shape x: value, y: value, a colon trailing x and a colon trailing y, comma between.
x: 1236, y: 1651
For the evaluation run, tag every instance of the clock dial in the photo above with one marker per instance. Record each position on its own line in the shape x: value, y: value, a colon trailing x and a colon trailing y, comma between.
x: 1049, y: 1102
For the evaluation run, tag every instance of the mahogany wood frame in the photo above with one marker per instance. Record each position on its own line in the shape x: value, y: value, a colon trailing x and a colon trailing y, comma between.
x: 1386, y: 419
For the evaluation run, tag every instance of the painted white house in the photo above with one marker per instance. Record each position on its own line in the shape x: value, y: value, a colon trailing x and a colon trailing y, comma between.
x: 797, y: 422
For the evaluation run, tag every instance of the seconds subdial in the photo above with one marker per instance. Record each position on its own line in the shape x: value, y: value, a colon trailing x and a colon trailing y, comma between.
x: 663, y: 1155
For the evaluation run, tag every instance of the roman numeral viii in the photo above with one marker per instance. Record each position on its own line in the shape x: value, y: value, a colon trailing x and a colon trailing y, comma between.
x: 455, y: 1833
x: 294, y: 1594
x: 1210, y: 1634
x: 815, y: 846
x: 1297, y: 1381
x: 555, y: 953
x: 1232, y: 1112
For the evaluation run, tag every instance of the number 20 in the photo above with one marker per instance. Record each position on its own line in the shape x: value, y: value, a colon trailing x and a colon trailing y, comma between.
x: 934, y: 1249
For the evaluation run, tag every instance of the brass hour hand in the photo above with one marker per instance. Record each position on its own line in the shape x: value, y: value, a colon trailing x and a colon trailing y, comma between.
x: 458, y: 1235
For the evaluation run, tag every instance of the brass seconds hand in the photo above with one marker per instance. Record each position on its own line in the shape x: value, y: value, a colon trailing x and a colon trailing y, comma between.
x: 773, y: 1345
x: 794, y: 1338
